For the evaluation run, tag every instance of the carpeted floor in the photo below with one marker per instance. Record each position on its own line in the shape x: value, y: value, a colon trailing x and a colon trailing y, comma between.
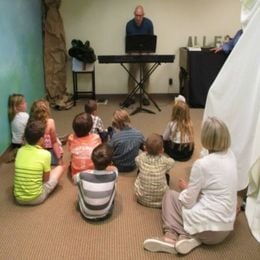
x: 55, y: 229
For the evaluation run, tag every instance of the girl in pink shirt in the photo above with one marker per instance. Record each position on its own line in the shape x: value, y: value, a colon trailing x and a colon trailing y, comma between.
x: 40, y: 110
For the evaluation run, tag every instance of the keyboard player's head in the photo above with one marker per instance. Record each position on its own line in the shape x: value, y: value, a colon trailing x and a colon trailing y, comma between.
x: 139, y: 15
x: 139, y: 24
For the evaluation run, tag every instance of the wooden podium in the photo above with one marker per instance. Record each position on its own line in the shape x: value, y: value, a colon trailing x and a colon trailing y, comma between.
x: 198, y: 70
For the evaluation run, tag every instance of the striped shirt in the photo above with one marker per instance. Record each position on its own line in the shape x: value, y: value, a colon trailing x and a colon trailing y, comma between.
x: 96, y: 192
x: 30, y: 164
x: 126, y: 144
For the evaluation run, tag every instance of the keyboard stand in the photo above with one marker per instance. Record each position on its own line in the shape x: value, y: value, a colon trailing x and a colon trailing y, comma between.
x: 141, y: 88
x: 154, y: 59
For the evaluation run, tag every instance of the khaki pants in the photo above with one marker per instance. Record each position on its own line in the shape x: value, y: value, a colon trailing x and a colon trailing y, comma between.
x: 134, y: 69
x: 173, y: 222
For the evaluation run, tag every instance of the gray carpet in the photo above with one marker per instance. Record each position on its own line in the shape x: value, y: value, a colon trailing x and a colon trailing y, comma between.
x: 55, y: 229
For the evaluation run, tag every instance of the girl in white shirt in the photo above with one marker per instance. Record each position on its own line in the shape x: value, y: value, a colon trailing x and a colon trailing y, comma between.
x: 18, y: 118
x: 178, y: 134
x: 205, y: 210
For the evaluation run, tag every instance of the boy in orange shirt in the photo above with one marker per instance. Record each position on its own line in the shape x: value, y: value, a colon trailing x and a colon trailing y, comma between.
x: 82, y: 143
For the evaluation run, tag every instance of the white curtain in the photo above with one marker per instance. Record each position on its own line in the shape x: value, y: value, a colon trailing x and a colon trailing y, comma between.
x: 234, y: 96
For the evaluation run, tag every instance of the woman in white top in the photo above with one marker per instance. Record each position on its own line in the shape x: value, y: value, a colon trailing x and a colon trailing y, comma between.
x: 205, y: 210
x: 178, y: 134
x: 18, y: 118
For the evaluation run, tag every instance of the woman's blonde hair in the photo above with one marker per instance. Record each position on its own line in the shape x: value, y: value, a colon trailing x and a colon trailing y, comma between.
x: 121, y: 119
x: 181, y: 116
x: 14, y: 101
x: 40, y: 110
x: 215, y: 135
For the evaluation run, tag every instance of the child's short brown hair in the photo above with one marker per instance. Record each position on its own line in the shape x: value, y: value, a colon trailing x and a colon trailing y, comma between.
x: 154, y: 144
x: 34, y: 131
x: 102, y: 156
x: 82, y: 124
x: 90, y: 106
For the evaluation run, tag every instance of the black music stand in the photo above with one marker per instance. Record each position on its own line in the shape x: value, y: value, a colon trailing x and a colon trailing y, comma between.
x: 140, y: 44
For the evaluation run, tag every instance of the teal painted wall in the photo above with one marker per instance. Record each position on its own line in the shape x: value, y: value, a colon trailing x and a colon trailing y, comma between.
x: 21, y: 52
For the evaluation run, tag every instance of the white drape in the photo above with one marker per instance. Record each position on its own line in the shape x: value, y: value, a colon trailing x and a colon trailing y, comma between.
x: 234, y: 96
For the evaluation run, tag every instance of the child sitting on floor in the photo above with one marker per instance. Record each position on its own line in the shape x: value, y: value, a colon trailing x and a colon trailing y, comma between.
x: 34, y: 179
x: 153, y: 177
x: 18, y: 118
x: 126, y: 142
x: 97, y: 187
x: 40, y: 110
x: 178, y: 136
x: 98, y: 126
x: 82, y: 143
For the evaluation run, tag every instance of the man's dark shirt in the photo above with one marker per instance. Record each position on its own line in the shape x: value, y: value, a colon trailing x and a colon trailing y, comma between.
x: 145, y: 28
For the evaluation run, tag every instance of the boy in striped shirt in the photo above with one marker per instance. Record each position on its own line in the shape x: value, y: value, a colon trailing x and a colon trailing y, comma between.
x: 97, y: 188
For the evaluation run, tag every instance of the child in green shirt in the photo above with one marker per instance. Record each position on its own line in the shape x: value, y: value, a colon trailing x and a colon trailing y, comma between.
x: 34, y: 179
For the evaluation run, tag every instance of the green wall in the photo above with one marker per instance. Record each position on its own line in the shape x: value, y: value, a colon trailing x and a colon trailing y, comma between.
x: 21, y: 62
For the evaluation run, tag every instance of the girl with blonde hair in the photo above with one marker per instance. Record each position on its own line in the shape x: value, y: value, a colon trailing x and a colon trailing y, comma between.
x: 178, y: 135
x: 40, y: 110
x: 18, y: 118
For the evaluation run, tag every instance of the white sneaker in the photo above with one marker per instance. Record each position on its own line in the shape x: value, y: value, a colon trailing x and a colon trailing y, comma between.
x: 184, y: 246
x: 159, y: 245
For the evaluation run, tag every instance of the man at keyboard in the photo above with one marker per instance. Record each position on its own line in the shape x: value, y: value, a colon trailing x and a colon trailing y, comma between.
x: 138, y: 25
